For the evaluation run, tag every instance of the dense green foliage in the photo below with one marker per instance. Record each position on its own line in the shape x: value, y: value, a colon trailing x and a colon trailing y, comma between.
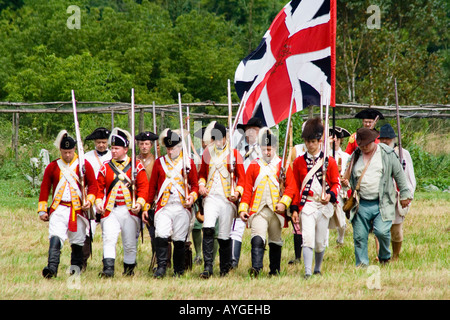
x: 163, y: 47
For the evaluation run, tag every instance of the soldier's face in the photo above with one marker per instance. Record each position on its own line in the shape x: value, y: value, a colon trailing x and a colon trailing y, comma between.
x: 367, y: 123
x: 251, y: 135
x: 174, y: 152
x: 67, y: 155
x: 145, y: 146
x: 101, y: 144
x: 118, y: 153
x: 313, y: 145
x: 268, y: 153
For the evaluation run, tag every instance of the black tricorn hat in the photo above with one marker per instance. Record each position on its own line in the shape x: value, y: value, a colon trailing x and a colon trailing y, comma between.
x: 119, y: 138
x: 369, y: 114
x: 340, y: 132
x: 313, y: 129
x: 99, y: 133
x: 64, y: 141
x: 253, y: 122
x: 146, y: 135
x: 67, y: 143
x: 170, y: 138
x: 267, y: 138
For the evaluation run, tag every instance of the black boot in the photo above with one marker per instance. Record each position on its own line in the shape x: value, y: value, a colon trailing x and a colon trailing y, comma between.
x: 108, y: 268
x: 257, y: 255
x: 128, y: 269
x: 178, y: 258
x: 76, y: 259
x: 274, y: 259
x: 235, y: 253
x: 224, y: 256
x: 54, y: 252
x: 208, y: 248
x: 162, y: 251
x: 298, y: 241
x: 86, y: 252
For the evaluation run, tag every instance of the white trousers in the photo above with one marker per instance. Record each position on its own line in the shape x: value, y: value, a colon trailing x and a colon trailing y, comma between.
x: 315, y: 230
x: 173, y: 220
x: 59, y: 224
x: 218, y: 208
x: 237, y: 229
x: 266, y: 222
x: 120, y: 221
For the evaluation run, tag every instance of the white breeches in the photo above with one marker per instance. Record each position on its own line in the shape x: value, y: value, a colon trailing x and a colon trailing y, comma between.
x: 120, y: 221
x: 237, y: 229
x: 266, y: 222
x: 218, y: 208
x: 173, y: 220
x: 59, y: 224
x: 315, y: 230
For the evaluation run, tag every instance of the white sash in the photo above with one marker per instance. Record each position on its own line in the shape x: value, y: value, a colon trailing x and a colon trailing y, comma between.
x: 170, y: 175
x: 217, y: 163
x: 269, y: 170
x: 69, y: 175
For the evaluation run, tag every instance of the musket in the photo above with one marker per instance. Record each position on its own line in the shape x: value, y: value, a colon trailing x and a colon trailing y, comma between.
x: 400, y: 150
x: 230, y: 133
x: 133, y: 163
x: 154, y: 130
x: 282, y: 174
x: 82, y: 167
x: 325, y: 152
x: 186, y: 165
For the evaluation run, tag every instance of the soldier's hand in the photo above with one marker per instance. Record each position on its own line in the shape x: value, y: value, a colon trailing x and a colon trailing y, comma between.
x: 43, y: 216
x: 202, y: 190
x: 244, y: 216
x: 189, y: 201
x: 234, y: 197
x: 86, y: 205
x: 326, y: 199
x: 99, y: 208
x: 137, y: 208
x: 345, y: 182
x: 295, y: 218
x: 145, y: 217
x: 280, y: 207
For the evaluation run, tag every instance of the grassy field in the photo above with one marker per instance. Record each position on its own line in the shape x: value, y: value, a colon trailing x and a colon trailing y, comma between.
x: 421, y: 273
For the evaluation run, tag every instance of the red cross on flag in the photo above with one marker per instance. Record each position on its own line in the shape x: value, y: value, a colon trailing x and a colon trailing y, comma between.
x: 297, y: 54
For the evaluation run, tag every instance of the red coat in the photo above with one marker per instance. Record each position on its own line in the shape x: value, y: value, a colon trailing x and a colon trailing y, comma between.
x: 52, y: 176
x: 159, y: 176
x: 332, y: 178
x: 248, y: 200
x: 239, y: 172
x: 105, y: 178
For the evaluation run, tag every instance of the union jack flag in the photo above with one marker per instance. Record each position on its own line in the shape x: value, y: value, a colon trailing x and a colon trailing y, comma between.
x: 297, y: 54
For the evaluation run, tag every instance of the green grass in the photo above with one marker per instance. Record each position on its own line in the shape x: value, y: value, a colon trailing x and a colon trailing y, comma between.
x: 421, y: 273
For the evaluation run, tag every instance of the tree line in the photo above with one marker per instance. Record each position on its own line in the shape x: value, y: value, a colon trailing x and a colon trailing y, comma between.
x: 163, y: 47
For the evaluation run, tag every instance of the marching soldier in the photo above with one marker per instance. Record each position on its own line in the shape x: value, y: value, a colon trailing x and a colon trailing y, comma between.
x: 338, y: 220
x: 219, y: 203
x: 118, y: 215
x: 96, y: 158
x: 66, y: 215
x: 167, y: 189
x: 251, y: 151
x: 262, y: 207
x: 368, y: 117
x: 313, y: 210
